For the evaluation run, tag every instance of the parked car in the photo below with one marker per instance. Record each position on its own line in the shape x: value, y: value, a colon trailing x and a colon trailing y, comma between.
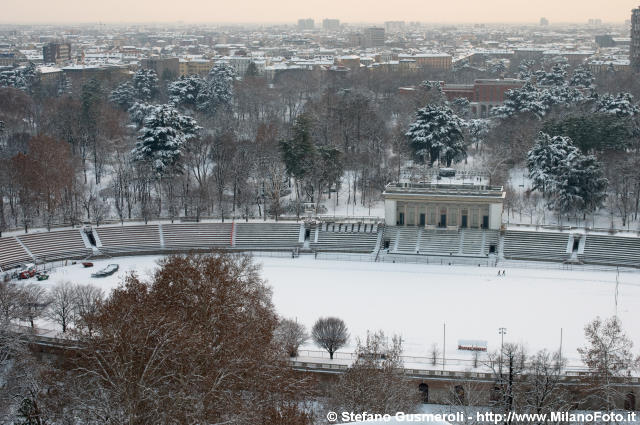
x: 27, y: 271
x: 107, y: 271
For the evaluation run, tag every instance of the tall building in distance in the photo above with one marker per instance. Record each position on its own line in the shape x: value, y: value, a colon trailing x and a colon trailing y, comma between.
x: 56, y: 53
x: 544, y: 22
x: 634, y: 50
x: 373, y: 37
x: 306, y: 24
x: 394, y: 26
x: 331, y: 24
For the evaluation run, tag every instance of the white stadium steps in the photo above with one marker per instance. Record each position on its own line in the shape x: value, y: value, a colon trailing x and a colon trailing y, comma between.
x: 123, y: 239
x: 463, y: 242
x: 352, y: 237
x: 12, y: 253
x: 346, y: 237
x: 267, y: 235
x: 537, y: 246
x: 612, y: 250
x: 56, y: 245
x: 197, y: 235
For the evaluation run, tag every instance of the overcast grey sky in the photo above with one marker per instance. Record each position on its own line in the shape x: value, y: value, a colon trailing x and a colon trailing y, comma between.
x: 277, y: 11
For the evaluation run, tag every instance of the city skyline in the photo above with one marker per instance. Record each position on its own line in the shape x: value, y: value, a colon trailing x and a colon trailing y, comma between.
x: 286, y: 11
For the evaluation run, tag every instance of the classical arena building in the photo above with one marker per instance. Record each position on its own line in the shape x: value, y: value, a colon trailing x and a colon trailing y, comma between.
x: 444, y: 206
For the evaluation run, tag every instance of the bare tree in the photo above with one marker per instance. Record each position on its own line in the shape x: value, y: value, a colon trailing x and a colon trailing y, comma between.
x: 34, y: 301
x: 9, y: 301
x: 434, y: 354
x: 291, y: 335
x: 87, y: 299
x: 508, y: 365
x: 330, y: 333
x: 375, y: 382
x: 62, y: 307
x: 543, y: 390
x: 608, y: 356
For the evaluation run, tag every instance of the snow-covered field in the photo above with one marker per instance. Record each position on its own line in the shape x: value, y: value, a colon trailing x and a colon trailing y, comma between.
x: 415, y: 300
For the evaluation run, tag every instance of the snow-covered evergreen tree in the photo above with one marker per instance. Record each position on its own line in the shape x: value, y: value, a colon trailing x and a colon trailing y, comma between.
x: 163, y: 137
x: 461, y: 106
x: 524, y: 99
x: 477, y: 130
x: 545, y: 158
x: 219, y: 89
x: 139, y: 111
x: 145, y: 84
x: 498, y: 67
x: 559, y: 95
x: 437, y: 134
x: 582, y: 77
x: 620, y: 105
x: 556, y: 77
x: 525, y: 69
x: 184, y: 92
x: 10, y: 78
x: 580, y: 185
x: 19, y: 78
x: 124, y: 95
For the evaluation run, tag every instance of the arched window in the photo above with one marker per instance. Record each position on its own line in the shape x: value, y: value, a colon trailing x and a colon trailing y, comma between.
x: 630, y: 401
x: 424, y: 392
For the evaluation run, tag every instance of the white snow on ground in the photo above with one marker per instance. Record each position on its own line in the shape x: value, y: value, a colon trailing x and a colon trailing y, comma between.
x: 415, y: 300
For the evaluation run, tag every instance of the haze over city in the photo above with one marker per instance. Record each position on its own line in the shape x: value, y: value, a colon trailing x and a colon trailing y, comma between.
x: 280, y: 11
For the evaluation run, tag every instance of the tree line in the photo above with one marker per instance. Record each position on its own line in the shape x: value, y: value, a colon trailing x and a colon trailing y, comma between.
x: 228, y: 145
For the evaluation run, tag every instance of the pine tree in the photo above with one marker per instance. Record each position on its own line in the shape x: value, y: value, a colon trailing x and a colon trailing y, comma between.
x: 163, y: 137
x: 522, y: 100
x: 620, y: 105
x: 581, y: 185
x: 559, y: 95
x: 145, y: 84
x: 184, y: 92
x: 298, y: 151
x: 252, y: 70
x: 139, y: 111
x: 23, y: 78
x: 124, y: 95
x: 498, y: 68
x: 437, y: 133
x: 461, y: 106
x: 556, y: 77
x: 582, y: 77
x: 544, y: 159
x: 525, y: 69
x: 219, y: 90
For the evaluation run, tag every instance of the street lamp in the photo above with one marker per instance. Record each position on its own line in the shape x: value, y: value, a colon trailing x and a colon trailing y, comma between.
x: 502, y: 332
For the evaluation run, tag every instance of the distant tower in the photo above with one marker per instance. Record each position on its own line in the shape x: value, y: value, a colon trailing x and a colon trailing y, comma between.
x: 544, y: 22
x: 634, y: 50
x: 306, y: 24
x: 331, y: 24
x: 374, y: 37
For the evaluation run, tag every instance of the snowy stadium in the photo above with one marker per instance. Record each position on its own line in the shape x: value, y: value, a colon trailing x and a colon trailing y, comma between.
x: 450, y: 281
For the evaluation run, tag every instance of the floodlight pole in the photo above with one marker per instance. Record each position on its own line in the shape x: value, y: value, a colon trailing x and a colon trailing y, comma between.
x: 502, y: 332
x: 444, y: 344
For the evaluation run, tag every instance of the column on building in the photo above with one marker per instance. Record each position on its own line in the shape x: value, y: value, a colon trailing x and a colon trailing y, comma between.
x: 444, y: 215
